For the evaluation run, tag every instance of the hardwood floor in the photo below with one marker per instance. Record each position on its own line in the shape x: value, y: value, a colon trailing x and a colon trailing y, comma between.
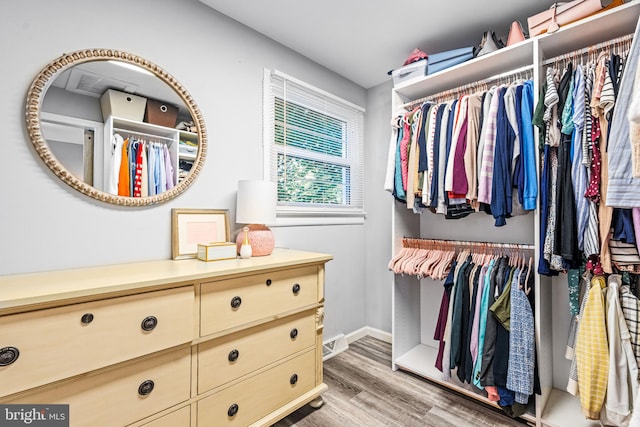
x: 364, y: 391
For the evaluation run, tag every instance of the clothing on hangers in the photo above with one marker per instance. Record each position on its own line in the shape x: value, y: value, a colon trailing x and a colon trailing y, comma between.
x: 442, y: 155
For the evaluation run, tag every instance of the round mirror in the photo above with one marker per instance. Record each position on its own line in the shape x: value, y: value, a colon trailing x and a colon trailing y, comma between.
x: 116, y: 127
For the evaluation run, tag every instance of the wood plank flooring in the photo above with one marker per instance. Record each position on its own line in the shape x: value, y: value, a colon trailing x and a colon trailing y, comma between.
x: 364, y: 391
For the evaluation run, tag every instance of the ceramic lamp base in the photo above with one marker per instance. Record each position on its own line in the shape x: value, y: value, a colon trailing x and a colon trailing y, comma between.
x: 260, y: 238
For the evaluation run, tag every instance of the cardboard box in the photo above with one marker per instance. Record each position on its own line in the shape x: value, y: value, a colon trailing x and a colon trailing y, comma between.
x: 122, y: 105
x: 216, y: 251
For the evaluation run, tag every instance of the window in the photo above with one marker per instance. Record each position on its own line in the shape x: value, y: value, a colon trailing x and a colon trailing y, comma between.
x: 314, y: 146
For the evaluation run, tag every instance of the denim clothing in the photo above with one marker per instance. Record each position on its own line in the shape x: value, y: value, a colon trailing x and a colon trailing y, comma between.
x: 501, y: 188
x: 623, y: 190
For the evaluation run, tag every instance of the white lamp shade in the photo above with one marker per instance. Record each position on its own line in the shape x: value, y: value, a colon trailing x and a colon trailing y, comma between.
x: 256, y: 202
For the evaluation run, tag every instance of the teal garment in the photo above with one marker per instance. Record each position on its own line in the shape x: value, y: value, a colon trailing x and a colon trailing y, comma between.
x: 573, y: 279
x: 484, y: 308
x: 567, y: 111
x: 399, y: 190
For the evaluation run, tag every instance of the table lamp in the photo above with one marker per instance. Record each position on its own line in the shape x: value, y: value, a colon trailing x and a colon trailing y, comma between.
x: 256, y: 206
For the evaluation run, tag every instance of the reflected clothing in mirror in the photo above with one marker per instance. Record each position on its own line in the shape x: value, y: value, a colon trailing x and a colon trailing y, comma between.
x: 139, y: 168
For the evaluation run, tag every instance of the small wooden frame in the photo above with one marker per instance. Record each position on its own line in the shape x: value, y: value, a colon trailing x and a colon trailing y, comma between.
x: 192, y: 226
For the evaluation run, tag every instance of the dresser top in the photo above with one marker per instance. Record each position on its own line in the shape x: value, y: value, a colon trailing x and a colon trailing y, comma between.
x: 33, y: 289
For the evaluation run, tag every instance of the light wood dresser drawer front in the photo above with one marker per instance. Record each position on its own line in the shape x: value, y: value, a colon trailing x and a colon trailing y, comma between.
x: 233, y: 302
x: 124, y: 394
x: 225, y: 359
x: 56, y: 343
x: 252, y: 399
x: 179, y: 418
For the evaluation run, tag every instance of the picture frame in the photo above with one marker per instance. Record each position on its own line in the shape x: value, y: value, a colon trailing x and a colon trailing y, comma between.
x: 192, y: 226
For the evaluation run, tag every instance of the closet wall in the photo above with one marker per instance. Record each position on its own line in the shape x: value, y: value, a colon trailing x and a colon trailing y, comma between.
x: 416, y: 303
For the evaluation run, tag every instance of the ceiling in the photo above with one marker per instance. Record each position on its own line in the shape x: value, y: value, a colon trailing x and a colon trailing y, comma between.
x: 363, y: 39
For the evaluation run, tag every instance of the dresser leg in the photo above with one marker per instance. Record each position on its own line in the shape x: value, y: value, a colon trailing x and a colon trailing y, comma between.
x: 317, y: 403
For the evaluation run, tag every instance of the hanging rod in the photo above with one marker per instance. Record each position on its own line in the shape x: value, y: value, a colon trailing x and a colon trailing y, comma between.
x: 472, y: 85
x: 143, y: 134
x: 416, y: 241
x: 580, y: 52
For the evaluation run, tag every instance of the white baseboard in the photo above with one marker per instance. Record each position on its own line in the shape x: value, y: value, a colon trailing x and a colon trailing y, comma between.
x: 336, y: 345
x: 369, y: 331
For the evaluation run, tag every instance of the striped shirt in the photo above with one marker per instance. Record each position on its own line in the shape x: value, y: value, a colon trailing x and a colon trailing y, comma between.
x: 631, y: 311
x: 578, y: 171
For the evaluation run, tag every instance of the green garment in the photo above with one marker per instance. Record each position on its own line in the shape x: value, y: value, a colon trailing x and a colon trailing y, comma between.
x: 501, y: 308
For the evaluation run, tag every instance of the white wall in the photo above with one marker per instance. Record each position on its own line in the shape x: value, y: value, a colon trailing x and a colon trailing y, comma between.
x: 379, y: 280
x: 45, y: 225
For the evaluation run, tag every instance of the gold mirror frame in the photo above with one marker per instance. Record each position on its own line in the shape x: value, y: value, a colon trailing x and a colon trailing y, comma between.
x: 35, y: 98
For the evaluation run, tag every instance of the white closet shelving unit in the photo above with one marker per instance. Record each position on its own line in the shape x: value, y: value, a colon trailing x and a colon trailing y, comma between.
x: 415, y: 304
x: 146, y: 131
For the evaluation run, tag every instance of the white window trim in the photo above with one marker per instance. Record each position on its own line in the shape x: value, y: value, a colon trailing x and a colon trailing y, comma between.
x: 288, y: 216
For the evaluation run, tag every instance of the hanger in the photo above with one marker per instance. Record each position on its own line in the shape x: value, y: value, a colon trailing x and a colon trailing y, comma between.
x: 527, y: 288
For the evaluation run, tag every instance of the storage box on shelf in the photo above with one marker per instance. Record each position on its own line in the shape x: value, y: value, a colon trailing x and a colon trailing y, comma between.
x: 141, y: 345
x: 415, y: 303
x: 121, y: 104
x: 161, y: 113
x: 409, y: 72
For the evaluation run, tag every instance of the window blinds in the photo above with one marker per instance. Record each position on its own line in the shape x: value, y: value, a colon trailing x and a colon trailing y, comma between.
x: 314, y: 144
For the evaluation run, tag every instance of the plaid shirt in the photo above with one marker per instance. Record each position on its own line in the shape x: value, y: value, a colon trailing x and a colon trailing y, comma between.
x: 592, y: 352
x: 631, y: 311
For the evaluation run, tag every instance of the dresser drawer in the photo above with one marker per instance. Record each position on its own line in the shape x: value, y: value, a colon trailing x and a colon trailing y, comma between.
x: 230, y: 357
x: 117, y: 396
x: 57, y: 343
x: 252, y: 399
x: 179, y: 418
x: 229, y: 303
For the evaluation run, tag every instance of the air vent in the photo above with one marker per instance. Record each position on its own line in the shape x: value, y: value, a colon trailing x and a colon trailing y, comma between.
x: 334, y: 346
x: 91, y: 84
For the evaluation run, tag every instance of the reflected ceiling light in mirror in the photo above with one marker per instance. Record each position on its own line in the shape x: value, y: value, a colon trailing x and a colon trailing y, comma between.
x: 131, y: 67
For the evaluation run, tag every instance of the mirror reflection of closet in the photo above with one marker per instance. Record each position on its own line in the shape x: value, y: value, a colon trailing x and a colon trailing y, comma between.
x: 79, y: 103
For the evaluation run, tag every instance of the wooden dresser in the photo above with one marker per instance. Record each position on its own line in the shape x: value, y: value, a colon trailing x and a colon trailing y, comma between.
x: 167, y: 343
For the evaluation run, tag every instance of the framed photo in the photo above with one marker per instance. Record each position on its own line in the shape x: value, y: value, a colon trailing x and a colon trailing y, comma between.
x: 192, y: 226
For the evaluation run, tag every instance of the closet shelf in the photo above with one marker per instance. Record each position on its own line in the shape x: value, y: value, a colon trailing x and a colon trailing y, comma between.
x: 611, y: 24
x: 503, y: 60
x: 420, y: 361
x: 563, y: 410
x: 142, y: 127
x: 603, y: 26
